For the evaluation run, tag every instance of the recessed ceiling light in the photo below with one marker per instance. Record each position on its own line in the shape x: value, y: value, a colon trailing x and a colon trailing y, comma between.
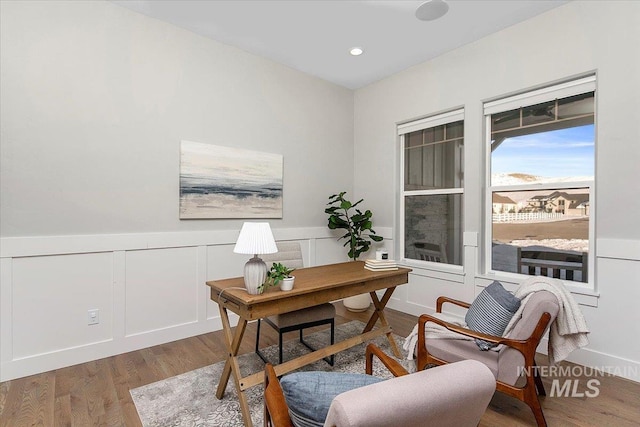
x: 432, y: 10
x: 356, y: 51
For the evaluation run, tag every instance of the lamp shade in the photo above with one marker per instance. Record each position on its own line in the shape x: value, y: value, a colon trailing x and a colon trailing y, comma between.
x: 255, y: 238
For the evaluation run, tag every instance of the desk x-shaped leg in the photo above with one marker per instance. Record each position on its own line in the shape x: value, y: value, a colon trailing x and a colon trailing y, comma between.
x: 379, y: 314
x: 233, y: 342
x: 231, y: 365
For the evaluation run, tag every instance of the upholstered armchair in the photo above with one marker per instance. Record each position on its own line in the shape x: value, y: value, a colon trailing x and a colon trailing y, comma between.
x: 453, y: 395
x: 512, y: 363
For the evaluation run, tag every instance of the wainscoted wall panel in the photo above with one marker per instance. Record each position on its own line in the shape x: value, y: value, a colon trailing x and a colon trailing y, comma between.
x: 149, y: 287
x: 329, y: 251
x: 222, y: 263
x: 161, y: 289
x: 51, y: 297
x: 620, y: 292
x: 423, y: 291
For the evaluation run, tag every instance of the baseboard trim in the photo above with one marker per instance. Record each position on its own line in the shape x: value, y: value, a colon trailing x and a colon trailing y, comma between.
x: 39, y: 363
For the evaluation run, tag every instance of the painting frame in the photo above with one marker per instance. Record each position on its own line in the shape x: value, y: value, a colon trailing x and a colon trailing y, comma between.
x: 220, y: 182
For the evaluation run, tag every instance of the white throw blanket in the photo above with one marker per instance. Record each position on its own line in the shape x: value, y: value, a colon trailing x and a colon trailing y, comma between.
x: 569, y: 330
x: 566, y: 334
x: 433, y: 330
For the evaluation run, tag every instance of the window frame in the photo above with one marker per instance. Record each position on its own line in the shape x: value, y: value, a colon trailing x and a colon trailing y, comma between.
x: 526, y: 99
x: 402, y: 130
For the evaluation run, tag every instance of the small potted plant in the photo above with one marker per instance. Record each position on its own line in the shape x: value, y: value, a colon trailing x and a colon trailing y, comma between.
x: 279, y: 273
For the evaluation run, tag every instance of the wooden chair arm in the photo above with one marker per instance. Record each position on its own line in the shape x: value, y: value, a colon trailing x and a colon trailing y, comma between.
x: 466, y: 332
x: 392, y: 365
x: 441, y: 300
x: 526, y: 347
x: 276, y: 411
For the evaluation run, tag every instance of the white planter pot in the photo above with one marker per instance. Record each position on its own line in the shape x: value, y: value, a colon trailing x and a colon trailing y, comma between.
x: 357, y: 303
x: 287, y: 283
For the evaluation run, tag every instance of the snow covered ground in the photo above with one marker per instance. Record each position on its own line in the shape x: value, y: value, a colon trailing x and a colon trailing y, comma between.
x: 579, y: 245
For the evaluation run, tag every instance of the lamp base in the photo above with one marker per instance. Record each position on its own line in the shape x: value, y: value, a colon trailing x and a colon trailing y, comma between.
x: 255, y: 273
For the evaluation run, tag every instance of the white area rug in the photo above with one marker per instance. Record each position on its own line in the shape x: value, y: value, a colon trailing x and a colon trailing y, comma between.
x: 189, y: 399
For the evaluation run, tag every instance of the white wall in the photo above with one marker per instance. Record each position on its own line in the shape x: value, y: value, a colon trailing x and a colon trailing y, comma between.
x: 94, y: 102
x: 96, y: 98
x: 577, y: 38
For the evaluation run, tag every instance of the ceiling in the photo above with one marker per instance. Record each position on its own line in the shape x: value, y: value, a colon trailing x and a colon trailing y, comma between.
x: 314, y: 36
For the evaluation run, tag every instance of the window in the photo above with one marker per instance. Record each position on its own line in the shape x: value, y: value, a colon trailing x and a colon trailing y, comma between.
x: 542, y: 167
x: 432, y: 188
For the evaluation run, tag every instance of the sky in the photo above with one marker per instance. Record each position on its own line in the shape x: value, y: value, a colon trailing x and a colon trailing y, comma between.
x: 561, y: 153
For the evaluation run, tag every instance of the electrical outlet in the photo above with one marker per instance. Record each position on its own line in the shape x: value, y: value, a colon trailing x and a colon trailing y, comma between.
x: 94, y: 317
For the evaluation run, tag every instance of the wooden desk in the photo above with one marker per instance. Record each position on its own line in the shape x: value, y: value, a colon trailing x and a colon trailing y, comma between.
x: 313, y: 286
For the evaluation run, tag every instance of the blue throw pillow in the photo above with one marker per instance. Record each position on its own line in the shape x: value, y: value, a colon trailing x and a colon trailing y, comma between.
x: 309, y: 394
x: 491, y: 312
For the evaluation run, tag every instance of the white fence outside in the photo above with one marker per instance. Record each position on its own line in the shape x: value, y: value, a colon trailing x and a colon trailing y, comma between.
x: 526, y: 216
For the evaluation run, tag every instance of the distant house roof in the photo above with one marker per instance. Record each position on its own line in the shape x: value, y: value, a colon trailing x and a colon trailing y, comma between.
x: 580, y: 205
x: 497, y: 198
x: 577, y: 200
x: 551, y: 196
x: 536, y: 198
x: 574, y: 199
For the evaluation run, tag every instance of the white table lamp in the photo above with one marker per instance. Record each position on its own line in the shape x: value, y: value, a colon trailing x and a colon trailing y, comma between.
x: 255, y: 238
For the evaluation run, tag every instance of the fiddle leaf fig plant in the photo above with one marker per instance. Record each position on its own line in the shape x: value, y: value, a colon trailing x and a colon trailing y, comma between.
x: 343, y: 214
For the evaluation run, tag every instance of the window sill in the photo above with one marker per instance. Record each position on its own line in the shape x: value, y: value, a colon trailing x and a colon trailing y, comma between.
x: 584, y: 295
x: 450, y: 272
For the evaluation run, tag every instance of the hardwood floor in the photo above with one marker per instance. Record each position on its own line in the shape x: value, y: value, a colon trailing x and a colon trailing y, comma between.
x: 97, y: 393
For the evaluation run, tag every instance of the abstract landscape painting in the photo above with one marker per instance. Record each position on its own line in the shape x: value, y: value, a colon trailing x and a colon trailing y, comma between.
x: 225, y: 182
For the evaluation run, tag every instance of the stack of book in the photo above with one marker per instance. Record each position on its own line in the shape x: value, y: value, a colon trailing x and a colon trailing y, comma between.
x: 380, y: 264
